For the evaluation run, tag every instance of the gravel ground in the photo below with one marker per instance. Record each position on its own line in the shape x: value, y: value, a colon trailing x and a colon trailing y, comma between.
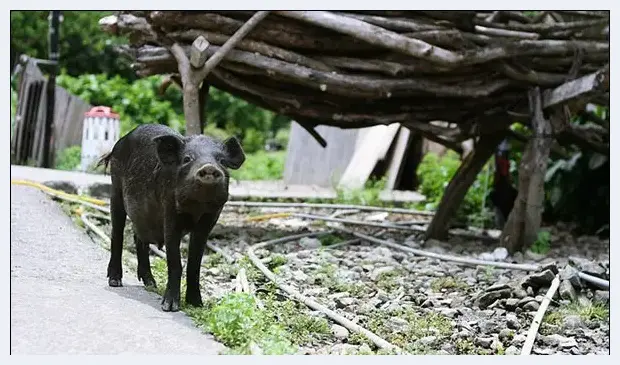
x: 419, y: 304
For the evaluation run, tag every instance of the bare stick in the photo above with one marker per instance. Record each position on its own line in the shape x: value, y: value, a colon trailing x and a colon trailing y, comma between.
x: 459, y: 260
x: 307, y: 301
x: 230, y: 43
x: 218, y: 250
x: 533, y: 331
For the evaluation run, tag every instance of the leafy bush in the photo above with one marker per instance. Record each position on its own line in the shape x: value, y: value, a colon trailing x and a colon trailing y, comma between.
x: 261, y: 165
x: 239, y: 323
x: 138, y: 102
x: 369, y: 195
x: 69, y: 158
x: 578, y: 190
x: 135, y: 102
x: 435, y: 174
x: 542, y: 245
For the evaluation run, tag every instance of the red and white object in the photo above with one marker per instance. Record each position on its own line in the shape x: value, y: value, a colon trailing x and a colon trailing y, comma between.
x: 100, y: 132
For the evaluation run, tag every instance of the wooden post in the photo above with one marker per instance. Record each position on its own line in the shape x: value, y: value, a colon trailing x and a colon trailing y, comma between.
x: 194, y: 70
x: 460, y: 183
x: 203, y: 99
x: 54, y: 26
x: 523, y: 223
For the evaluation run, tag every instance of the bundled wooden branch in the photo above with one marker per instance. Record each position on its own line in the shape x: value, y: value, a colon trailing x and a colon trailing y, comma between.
x: 361, y: 68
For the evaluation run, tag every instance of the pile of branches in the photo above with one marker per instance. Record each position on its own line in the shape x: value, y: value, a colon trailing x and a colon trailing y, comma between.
x: 355, y: 69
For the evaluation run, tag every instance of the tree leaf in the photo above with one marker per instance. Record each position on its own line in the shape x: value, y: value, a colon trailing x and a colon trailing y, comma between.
x: 597, y: 160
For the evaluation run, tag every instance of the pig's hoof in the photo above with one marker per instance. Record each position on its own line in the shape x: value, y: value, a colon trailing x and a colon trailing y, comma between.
x: 115, y: 282
x: 194, y: 301
x: 148, y: 281
x: 170, y: 304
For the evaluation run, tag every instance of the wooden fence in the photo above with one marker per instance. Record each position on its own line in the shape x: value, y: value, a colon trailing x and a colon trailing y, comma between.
x: 28, y: 136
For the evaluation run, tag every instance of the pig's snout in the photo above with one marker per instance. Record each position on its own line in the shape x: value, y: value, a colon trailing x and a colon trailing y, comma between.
x: 209, y: 174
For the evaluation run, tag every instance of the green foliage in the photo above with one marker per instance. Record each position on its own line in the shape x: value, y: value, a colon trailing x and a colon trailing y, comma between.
x: 138, y: 102
x: 84, y: 47
x: 369, y: 195
x: 69, y: 158
x: 435, y: 173
x: 415, y: 325
x: 568, y: 181
x: 301, y: 327
x: 542, y: 245
x: 240, y: 324
x: 282, y: 136
x: 261, y: 165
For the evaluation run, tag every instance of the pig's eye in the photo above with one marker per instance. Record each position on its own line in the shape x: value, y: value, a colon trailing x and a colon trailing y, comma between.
x: 187, y: 159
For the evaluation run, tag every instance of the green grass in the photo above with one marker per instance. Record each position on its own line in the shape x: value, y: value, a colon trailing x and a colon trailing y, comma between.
x: 447, y: 282
x: 327, y: 276
x: 417, y: 325
x: 261, y: 165
x: 69, y: 158
x: 592, y: 311
x: 237, y: 322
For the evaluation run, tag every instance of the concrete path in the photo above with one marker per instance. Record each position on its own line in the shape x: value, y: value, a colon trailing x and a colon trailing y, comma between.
x: 60, y: 300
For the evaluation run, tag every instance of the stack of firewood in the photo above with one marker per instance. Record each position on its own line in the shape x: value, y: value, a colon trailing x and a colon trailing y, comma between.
x: 363, y: 68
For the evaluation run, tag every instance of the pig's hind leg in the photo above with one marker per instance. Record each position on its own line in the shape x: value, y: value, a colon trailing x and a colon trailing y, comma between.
x: 144, y: 263
x: 119, y: 218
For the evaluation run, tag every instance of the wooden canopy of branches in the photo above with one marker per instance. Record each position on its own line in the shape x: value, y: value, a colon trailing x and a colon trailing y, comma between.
x: 473, y: 69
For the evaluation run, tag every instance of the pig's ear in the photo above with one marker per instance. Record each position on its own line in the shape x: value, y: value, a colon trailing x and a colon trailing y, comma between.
x: 169, y: 149
x: 234, y: 155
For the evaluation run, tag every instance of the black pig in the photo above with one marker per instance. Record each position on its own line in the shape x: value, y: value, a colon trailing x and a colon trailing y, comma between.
x: 168, y: 185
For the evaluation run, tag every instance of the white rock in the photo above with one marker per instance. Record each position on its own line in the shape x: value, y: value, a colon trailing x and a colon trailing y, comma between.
x: 500, y: 254
x: 339, y: 332
x: 309, y: 243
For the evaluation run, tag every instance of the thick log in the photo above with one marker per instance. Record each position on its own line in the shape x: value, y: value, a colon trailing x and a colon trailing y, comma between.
x: 523, y: 223
x: 460, y: 183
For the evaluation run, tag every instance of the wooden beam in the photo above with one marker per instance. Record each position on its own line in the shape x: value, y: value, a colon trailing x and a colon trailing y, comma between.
x: 460, y: 183
x: 589, y: 85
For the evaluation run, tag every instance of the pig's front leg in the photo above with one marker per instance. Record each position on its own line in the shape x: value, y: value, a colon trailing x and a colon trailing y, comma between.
x: 172, y: 239
x: 197, y: 243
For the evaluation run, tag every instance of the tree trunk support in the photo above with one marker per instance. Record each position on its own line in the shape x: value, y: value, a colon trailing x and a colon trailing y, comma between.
x: 523, y: 223
x: 460, y: 183
x: 195, y: 69
x: 203, y: 99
